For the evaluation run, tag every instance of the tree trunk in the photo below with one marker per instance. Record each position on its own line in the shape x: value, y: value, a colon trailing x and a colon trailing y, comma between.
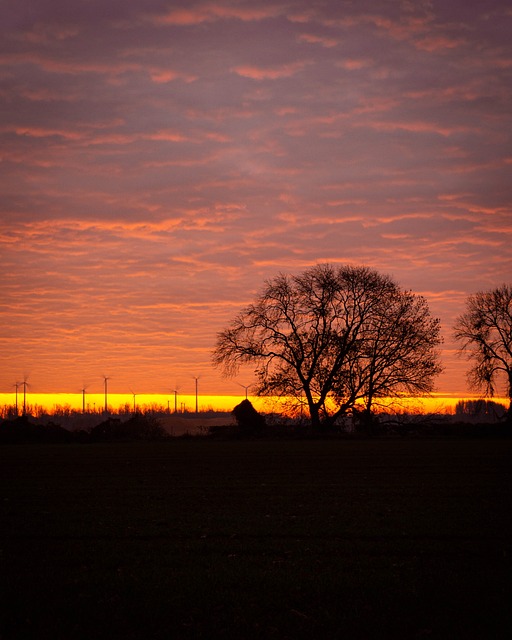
x: 314, y: 416
x: 509, y: 410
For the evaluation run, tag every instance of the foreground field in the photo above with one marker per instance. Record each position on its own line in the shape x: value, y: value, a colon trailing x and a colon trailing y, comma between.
x: 195, y: 539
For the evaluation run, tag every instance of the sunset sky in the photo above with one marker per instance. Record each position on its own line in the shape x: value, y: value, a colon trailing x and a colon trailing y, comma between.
x: 161, y: 159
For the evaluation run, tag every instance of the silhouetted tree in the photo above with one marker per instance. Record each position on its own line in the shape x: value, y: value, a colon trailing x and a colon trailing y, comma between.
x: 247, y: 418
x: 485, y: 333
x: 333, y: 336
x: 398, y: 349
x: 479, y: 409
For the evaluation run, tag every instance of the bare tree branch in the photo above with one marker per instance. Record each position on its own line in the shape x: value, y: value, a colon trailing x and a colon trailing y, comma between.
x: 332, y: 337
x: 484, y: 331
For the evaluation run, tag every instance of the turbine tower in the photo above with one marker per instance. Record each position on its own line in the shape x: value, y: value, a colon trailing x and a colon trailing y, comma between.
x: 105, y: 378
x: 24, y: 384
x: 17, y: 386
x: 134, y: 401
x: 175, y: 391
x: 196, y: 378
x: 83, y: 398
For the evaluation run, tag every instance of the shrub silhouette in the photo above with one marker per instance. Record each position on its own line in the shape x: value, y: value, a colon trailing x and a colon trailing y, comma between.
x: 247, y: 418
x: 138, y: 427
x: 23, y: 430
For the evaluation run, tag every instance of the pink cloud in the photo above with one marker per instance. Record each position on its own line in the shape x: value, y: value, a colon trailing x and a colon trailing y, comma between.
x: 503, y: 63
x: 58, y: 65
x: 329, y: 220
x: 416, y: 127
x: 45, y: 237
x: 438, y: 43
x: 469, y: 90
x: 167, y: 136
x: 419, y: 29
x: 181, y: 162
x: 163, y: 76
x: 269, y: 73
x: 395, y: 236
x: 301, y: 16
x: 353, y: 64
x: 41, y: 132
x: 502, y: 226
x: 45, y: 32
x: 344, y: 203
x: 211, y: 12
x: 403, y: 29
x: 113, y: 139
x: 311, y: 38
x: 114, y: 68
x: 248, y: 12
x: 94, y: 134
x: 286, y: 111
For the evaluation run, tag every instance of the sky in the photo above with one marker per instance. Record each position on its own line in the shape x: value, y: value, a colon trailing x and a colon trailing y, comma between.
x: 160, y: 160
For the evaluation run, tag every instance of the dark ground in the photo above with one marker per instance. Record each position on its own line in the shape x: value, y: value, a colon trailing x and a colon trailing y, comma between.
x: 266, y: 539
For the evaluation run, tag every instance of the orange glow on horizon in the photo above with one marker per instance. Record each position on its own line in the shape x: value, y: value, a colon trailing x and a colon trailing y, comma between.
x: 95, y: 402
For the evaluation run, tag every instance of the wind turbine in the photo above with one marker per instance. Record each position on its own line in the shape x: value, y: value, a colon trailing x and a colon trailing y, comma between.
x: 246, y: 387
x: 83, y: 390
x: 17, y: 386
x: 196, y: 378
x: 175, y: 391
x: 24, y: 384
x: 134, y: 400
x: 105, y: 378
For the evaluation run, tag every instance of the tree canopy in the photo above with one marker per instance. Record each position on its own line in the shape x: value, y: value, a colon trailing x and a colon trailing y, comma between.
x: 485, y: 333
x: 334, y: 336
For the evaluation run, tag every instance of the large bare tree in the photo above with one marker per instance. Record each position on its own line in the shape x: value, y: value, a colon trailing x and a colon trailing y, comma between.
x: 332, y: 337
x: 485, y: 333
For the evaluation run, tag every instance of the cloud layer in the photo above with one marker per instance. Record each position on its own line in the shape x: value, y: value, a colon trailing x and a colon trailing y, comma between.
x: 160, y: 160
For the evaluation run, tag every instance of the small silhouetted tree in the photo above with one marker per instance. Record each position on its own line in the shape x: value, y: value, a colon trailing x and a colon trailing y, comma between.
x: 247, y: 418
x: 334, y: 336
x: 485, y: 333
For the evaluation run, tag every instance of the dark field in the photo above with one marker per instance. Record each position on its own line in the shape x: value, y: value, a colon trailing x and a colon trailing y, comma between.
x: 309, y: 539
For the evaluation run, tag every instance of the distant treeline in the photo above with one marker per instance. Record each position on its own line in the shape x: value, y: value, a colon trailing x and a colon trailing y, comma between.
x: 138, y: 427
x: 67, y: 411
x: 148, y: 428
x: 480, y: 408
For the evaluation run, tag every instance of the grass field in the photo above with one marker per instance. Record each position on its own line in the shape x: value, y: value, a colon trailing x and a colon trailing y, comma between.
x: 301, y: 539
